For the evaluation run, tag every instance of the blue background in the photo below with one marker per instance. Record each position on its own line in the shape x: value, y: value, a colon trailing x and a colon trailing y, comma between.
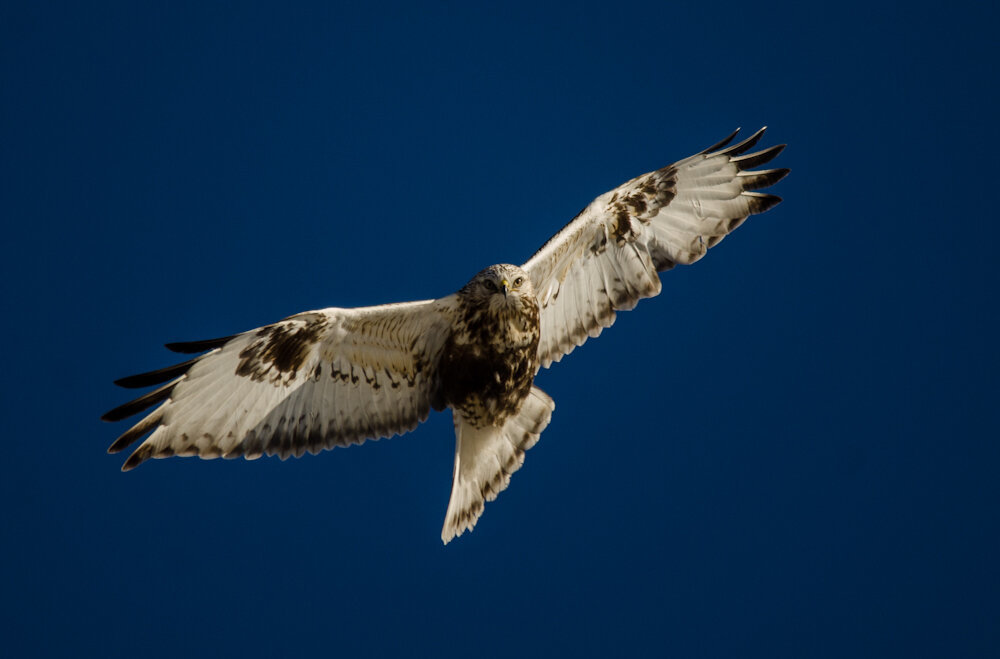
x: 798, y: 455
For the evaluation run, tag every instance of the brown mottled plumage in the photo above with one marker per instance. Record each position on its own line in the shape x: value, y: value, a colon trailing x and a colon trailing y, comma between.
x: 337, y: 377
x: 490, y: 359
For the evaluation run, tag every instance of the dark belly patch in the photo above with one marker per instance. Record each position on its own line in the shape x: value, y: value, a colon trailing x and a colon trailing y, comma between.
x: 487, y: 384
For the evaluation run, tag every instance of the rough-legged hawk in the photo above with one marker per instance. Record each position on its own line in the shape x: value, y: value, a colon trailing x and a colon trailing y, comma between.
x: 337, y: 377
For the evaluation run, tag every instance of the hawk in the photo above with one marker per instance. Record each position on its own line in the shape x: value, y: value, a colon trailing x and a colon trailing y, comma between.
x: 337, y: 377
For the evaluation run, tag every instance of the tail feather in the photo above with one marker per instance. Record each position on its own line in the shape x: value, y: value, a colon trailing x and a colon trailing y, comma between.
x: 485, y: 458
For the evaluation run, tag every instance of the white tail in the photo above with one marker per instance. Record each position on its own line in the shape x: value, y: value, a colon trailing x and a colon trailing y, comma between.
x: 486, y: 457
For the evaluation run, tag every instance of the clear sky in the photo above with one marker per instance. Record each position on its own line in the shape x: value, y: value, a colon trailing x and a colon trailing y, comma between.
x: 797, y: 451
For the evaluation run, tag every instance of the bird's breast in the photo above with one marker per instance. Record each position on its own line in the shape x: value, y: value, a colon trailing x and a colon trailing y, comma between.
x: 487, y: 367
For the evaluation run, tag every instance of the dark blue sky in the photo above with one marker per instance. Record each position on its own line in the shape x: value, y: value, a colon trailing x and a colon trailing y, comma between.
x: 799, y: 454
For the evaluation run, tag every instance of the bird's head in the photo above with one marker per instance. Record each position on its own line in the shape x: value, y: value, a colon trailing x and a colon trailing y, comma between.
x: 501, y: 286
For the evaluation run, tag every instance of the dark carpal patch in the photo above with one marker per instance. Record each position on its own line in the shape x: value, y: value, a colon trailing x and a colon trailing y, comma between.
x: 278, y: 351
x: 623, y: 224
x: 648, y: 194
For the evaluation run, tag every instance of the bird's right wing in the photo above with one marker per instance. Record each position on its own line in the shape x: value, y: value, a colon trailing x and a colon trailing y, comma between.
x: 313, y: 381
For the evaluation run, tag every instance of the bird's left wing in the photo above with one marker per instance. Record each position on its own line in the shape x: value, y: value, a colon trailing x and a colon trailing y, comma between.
x: 313, y: 381
x: 608, y: 257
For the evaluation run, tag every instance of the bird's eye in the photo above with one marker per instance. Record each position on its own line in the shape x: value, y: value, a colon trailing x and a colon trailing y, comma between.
x: 490, y: 286
x: 519, y: 281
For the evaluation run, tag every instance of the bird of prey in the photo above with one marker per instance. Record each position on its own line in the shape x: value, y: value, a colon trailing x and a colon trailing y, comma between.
x: 336, y: 377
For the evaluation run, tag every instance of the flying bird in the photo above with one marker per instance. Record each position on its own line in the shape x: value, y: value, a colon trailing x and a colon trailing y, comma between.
x: 336, y: 377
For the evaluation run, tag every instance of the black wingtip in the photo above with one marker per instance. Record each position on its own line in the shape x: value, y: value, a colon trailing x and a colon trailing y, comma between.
x: 758, y: 179
x: 137, y: 458
x: 745, y: 145
x: 719, y: 145
x: 135, y: 432
x: 751, y: 160
x: 139, y: 404
x: 762, y: 202
x: 158, y: 376
x: 191, y: 347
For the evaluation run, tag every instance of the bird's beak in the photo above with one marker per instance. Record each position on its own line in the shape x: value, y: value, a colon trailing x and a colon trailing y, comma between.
x: 504, y: 287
